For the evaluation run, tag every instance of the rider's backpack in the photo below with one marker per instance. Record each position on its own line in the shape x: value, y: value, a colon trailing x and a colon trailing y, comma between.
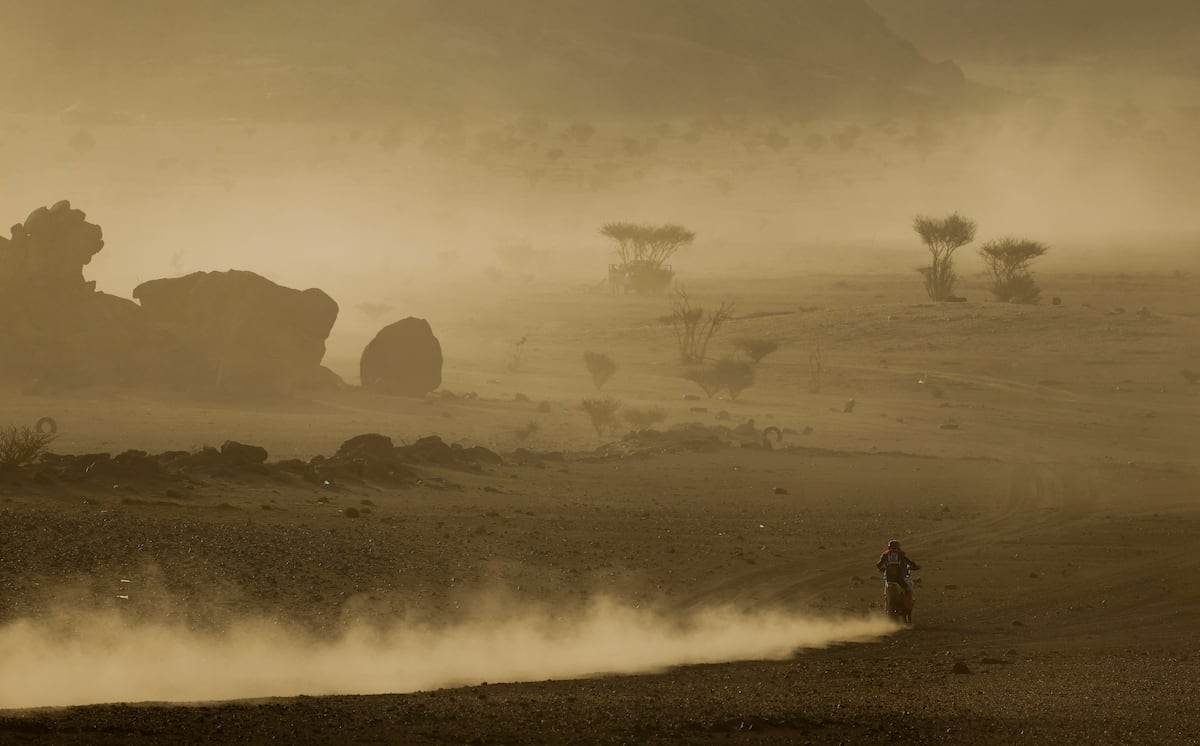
x: 894, y: 567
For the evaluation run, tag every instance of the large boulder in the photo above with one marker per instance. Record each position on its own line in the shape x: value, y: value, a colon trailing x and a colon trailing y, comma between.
x: 47, y: 253
x: 404, y: 359
x: 57, y: 329
x: 238, y: 330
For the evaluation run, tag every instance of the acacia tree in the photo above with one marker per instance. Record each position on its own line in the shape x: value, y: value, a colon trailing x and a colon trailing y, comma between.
x: 1007, y: 261
x: 644, y: 251
x: 942, y: 237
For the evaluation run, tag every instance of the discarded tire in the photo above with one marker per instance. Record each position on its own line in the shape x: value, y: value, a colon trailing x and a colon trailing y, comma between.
x: 47, y: 426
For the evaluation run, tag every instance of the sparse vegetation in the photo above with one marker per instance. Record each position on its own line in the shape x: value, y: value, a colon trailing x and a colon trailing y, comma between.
x: 727, y: 374
x: 756, y: 349
x: 22, y: 445
x: 942, y: 237
x: 516, y: 349
x: 600, y: 366
x: 526, y: 431
x: 1007, y: 261
x: 694, y: 327
x: 643, y: 418
x: 602, y: 413
x: 816, y: 369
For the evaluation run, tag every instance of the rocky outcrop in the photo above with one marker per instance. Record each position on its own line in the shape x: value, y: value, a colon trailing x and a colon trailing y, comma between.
x: 57, y: 329
x: 404, y: 359
x: 238, y: 330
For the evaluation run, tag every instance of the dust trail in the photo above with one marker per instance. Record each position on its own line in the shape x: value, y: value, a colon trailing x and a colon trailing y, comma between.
x: 105, y: 658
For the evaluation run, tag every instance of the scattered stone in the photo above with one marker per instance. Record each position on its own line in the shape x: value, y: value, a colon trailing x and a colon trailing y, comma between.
x: 780, y: 491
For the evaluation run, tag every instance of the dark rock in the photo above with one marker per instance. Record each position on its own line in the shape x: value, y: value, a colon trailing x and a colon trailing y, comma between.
x: 205, y: 457
x: 134, y: 464
x: 239, y: 331
x: 404, y: 359
x: 371, y: 445
x: 292, y: 466
x: 57, y: 329
x: 780, y: 491
x: 241, y: 453
x: 482, y: 455
x: 960, y: 668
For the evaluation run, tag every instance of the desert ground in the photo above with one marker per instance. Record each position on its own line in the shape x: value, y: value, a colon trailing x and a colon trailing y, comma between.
x: 1039, y: 461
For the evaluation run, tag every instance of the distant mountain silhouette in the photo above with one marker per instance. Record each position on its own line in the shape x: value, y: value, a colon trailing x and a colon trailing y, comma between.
x: 319, y: 58
x: 1161, y: 33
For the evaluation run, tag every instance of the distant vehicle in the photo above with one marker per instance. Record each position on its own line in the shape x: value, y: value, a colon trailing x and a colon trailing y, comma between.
x: 640, y: 276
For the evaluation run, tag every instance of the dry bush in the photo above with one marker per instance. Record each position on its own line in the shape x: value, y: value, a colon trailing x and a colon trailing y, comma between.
x: 694, y: 327
x: 22, y: 445
x: 602, y: 413
x: 816, y: 370
x: 515, y: 351
x: 643, y: 418
x: 756, y: 349
x: 706, y: 379
x: 600, y: 366
x: 526, y: 431
x: 727, y: 374
x: 735, y: 375
x: 1007, y: 262
x: 942, y: 237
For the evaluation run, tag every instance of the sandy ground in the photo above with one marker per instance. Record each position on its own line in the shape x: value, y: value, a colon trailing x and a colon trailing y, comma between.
x: 1055, y: 525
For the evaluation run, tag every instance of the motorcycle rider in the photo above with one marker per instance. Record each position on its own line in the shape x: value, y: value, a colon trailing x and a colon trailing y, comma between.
x: 894, y: 563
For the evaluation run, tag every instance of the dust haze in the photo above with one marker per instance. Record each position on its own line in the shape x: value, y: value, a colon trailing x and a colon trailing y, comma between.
x: 83, y: 658
x: 664, y: 317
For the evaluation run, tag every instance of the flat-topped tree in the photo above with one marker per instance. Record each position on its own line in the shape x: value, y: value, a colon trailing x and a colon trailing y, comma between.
x: 942, y: 236
x: 644, y: 251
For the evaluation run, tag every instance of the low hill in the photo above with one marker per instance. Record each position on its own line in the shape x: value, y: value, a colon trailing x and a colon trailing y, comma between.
x: 319, y: 59
x: 1162, y: 34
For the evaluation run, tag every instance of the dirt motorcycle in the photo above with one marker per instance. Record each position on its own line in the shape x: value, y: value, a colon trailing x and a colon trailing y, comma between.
x: 896, y: 601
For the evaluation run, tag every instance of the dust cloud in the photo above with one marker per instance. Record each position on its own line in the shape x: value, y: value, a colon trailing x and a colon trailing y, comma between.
x: 75, y: 659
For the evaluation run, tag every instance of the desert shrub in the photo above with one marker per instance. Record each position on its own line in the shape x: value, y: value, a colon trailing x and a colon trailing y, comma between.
x: 706, y: 379
x: 942, y: 237
x: 694, y: 327
x: 1007, y: 262
x: 727, y: 374
x: 515, y: 352
x: 600, y: 366
x: 643, y: 418
x: 524, y: 432
x: 816, y: 370
x: 756, y: 349
x: 735, y: 376
x: 22, y: 445
x: 602, y: 413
